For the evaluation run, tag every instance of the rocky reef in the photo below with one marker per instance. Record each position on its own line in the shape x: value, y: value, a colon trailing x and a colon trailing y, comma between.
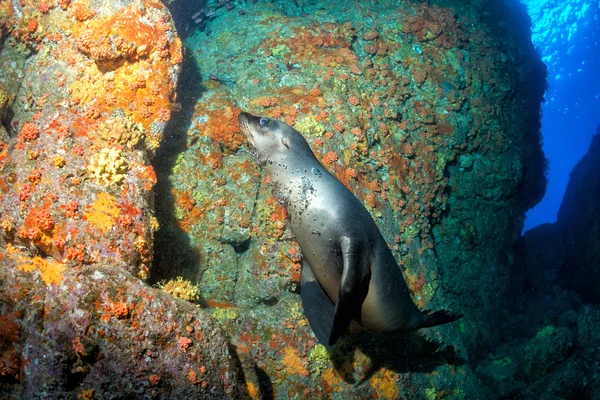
x: 119, y: 282
x: 86, y: 90
x: 550, y: 338
x: 428, y: 113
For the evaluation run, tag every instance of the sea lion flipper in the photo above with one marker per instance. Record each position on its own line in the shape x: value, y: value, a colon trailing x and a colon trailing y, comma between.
x: 354, y: 285
x: 318, y: 308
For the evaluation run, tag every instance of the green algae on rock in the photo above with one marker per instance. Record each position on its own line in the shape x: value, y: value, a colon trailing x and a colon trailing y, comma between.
x: 406, y: 105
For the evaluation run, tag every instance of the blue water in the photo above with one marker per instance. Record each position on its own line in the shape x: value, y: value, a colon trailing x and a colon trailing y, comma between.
x: 567, y: 35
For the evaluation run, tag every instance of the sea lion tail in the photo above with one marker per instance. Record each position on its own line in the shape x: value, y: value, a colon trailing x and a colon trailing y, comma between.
x: 438, y: 318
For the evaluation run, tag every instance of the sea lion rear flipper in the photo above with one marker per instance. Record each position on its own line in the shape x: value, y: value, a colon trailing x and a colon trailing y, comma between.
x: 318, y: 307
x: 354, y: 285
x: 438, y: 318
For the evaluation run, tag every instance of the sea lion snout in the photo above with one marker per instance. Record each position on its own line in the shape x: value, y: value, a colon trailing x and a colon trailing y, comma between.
x: 248, y: 121
x: 267, y: 137
x: 243, y: 117
x: 245, y: 121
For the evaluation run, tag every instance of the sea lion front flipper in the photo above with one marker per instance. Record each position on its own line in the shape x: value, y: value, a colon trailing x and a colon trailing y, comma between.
x: 318, y: 307
x: 354, y: 285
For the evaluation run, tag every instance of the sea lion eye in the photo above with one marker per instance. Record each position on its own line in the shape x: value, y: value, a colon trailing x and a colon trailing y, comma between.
x: 263, y: 121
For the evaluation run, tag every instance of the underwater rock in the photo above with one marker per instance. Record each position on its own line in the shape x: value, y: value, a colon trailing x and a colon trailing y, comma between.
x: 566, y: 252
x: 498, y: 371
x: 76, y: 321
x: 565, y: 382
x: 555, y: 271
x: 579, y: 220
x: 542, y: 353
x: 576, y: 377
x: 433, y: 122
x: 74, y: 193
x: 579, y: 375
x: 588, y: 334
x: 543, y: 359
x: 532, y: 310
x: 97, y: 330
x: 540, y: 256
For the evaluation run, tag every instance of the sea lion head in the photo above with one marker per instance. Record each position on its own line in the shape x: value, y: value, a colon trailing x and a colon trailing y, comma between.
x: 272, y: 140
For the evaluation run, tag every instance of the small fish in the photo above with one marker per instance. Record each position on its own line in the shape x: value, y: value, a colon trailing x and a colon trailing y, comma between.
x: 175, y: 107
x: 197, y: 14
x: 219, y: 304
x: 216, y: 78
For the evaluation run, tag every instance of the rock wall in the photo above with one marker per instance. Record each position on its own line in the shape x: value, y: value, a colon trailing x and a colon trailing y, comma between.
x: 565, y: 253
x: 550, y: 340
x: 579, y: 220
x: 85, y: 91
x: 429, y: 113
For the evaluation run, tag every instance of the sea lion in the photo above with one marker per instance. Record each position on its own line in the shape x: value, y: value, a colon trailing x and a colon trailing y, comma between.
x: 348, y: 271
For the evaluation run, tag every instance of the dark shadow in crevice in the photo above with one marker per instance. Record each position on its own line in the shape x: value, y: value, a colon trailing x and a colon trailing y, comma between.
x: 182, y: 12
x: 6, y: 117
x: 258, y: 375
x: 173, y: 253
x: 237, y: 363
x: 264, y: 383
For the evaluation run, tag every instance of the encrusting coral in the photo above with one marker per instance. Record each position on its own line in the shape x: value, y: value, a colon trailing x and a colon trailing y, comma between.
x: 181, y: 288
x: 4, y: 99
x: 108, y: 166
x: 121, y: 130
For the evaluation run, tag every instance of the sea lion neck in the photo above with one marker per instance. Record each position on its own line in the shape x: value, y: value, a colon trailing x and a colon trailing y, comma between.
x: 289, y: 166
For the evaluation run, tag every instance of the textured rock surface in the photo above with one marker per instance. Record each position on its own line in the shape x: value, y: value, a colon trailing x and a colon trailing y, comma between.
x: 579, y: 220
x: 540, y: 256
x: 98, y: 331
x: 567, y: 251
x: 542, y: 353
x: 429, y: 114
x: 86, y: 89
x: 90, y: 90
x: 551, y: 348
